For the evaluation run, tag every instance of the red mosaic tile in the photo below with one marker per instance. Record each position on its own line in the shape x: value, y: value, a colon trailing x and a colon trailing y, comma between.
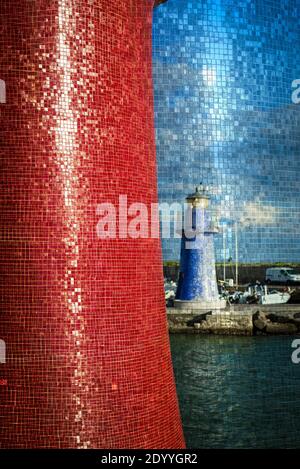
x: 88, y: 361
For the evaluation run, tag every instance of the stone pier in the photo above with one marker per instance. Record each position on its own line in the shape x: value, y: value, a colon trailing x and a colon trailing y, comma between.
x: 244, y: 320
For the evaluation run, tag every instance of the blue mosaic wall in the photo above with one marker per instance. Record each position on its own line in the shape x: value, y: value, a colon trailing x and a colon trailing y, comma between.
x: 223, y: 72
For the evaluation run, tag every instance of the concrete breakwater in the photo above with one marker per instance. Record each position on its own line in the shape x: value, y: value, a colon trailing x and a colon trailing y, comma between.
x: 237, y: 320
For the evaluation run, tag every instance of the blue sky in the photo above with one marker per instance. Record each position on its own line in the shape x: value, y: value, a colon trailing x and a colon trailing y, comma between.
x: 222, y: 76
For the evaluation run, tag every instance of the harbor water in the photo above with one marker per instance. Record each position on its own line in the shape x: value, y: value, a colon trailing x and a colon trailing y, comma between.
x: 237, y: 392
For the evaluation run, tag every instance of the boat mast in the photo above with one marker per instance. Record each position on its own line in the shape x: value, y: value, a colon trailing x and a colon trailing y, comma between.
x: 236, y: 255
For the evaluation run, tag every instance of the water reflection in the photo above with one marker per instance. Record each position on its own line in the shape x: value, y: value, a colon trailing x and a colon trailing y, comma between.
x: 237, y: 392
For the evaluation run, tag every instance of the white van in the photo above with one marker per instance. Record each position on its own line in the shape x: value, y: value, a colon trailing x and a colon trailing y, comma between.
x: 286, y: 275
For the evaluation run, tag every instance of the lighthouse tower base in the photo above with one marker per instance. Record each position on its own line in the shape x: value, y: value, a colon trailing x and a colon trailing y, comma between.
x: 200, y: 305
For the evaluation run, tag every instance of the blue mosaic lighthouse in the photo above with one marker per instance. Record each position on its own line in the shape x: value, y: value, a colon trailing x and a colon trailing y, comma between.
x: 197, y: 285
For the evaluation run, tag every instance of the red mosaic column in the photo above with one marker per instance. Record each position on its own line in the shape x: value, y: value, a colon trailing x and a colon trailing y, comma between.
x: 87, y: 362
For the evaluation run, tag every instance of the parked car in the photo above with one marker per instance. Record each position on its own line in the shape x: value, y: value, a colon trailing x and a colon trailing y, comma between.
x: 286, y: 275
